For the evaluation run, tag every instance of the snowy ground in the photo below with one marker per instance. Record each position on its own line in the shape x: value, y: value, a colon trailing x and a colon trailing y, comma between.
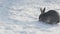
x: 21, y: 17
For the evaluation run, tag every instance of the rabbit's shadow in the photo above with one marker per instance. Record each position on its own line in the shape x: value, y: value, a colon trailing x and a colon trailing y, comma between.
x: 42, y: 26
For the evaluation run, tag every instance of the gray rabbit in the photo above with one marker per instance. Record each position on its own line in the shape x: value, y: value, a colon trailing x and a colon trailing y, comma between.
x: 50, y: 17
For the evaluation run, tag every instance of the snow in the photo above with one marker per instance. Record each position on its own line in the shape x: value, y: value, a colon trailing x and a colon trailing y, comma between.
x: 21, y: 17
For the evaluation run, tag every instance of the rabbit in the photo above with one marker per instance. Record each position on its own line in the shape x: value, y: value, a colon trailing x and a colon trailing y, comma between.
x: 50, y: 17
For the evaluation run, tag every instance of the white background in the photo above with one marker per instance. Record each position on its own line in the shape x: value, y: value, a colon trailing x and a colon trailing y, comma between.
x: 21, y: 16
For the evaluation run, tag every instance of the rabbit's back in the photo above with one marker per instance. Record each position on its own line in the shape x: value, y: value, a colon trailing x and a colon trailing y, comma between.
x: 50, y: 17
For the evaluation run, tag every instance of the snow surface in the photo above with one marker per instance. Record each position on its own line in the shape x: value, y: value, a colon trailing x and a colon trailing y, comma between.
x: 21, y: 17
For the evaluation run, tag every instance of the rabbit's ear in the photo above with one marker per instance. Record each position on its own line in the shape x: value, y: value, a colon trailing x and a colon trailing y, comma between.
x: 42, y: 11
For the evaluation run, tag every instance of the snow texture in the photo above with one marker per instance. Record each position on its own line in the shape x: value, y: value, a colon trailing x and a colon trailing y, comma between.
x: 21, y: 17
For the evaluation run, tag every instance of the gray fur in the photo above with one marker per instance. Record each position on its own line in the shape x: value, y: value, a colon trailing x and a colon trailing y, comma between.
x: 50, y: 17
